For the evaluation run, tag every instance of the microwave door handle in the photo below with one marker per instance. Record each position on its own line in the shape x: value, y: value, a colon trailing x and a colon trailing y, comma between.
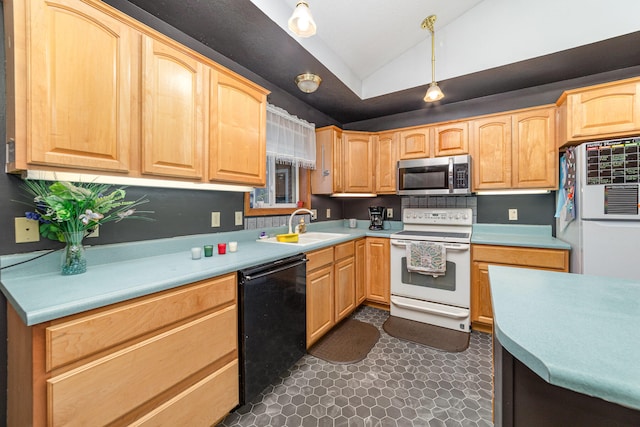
x: 450, y: 181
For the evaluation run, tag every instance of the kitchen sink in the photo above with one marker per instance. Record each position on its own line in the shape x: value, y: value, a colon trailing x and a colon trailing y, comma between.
x: 307, y: 238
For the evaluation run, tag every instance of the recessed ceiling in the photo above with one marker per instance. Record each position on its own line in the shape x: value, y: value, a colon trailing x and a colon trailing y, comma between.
x: 374, y: 58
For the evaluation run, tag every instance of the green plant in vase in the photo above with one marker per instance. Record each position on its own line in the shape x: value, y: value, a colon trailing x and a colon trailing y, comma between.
x: 67, y: 212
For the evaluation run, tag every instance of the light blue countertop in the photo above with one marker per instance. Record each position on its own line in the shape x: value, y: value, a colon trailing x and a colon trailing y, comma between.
x: 123, y: 271
x: 575, y: 331
x: 534, y: 236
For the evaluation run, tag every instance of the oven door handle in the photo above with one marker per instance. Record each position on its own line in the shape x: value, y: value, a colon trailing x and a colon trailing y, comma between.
x: 453, y: 312
x: 448, y: 246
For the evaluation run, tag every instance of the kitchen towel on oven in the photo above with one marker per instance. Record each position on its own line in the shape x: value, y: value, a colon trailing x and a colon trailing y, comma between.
x: 427, y: 258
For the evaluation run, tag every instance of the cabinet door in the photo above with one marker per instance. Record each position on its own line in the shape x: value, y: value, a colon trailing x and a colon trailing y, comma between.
x: 360, y: 272
x: 358, y: 162
x: 237, y: 139
x: 481, y: 309
x: 327, y: 177
x: 345, y: 288
x: 386, y: 154
x: 452, y: 139
x: 320, y: 312
x: 378, y: 284
x: 81, y: 87
x: 534, y: 161
x: 491, y: 153
x: 414, y: 143
x: 173, y: 112
x: 607, y: 110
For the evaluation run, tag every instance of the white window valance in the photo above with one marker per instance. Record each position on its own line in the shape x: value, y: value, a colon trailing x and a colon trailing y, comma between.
x: 290, y: 140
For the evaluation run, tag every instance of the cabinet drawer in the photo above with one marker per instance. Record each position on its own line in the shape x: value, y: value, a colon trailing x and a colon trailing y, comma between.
x: 200, y: 405
x: 101, y: 329
x: 555, y: 259
x: 110, y: 387
x: 319, y: 258
x: 344, y: 250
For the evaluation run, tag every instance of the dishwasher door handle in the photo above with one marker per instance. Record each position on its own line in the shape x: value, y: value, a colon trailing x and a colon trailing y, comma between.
x: 276, y: 270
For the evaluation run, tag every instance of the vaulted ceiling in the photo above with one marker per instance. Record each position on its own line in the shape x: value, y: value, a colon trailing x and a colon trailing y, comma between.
x: 374, y: 58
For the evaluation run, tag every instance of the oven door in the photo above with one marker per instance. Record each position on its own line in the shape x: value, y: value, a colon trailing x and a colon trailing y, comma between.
x: 452, y: 288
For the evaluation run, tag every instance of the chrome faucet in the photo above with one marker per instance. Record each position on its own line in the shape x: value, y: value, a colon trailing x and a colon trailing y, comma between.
x: 294, y: 214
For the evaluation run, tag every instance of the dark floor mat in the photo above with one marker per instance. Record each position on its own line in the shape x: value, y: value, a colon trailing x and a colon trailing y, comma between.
x: 423, y: 333
x: 349, y: 342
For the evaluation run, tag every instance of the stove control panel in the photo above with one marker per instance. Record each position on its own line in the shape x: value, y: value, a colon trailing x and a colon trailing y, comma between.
x: 444, y: 216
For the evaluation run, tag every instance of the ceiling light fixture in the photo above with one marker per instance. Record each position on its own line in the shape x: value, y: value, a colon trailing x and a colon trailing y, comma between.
x: 301, y: 21
x: 308, y: 82
x: 434, y: 93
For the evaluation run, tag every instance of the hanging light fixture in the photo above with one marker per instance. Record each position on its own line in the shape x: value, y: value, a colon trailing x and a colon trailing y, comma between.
x: 434, y: 93
x: 301, y: 21
x: 308, y: 82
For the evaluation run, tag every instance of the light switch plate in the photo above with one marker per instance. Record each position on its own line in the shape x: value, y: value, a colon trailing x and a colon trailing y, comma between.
x: 215, y: 219
x: 239, y: 218
x: 27, y: 230
x: 513, y: 214
x: 95, y: 232
x: 328, y: 213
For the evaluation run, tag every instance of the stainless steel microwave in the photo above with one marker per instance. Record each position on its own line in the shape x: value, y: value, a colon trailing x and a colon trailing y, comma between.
x: 438, y: 175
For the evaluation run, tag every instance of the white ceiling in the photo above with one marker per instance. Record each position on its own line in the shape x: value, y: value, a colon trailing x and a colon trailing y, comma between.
x: 377, y: 47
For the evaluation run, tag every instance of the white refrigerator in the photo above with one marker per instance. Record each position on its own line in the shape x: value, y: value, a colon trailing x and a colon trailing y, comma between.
x: 603, y: 185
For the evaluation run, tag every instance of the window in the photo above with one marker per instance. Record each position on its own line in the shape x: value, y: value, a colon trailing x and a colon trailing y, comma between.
x: 291, y: 150
x: 282, y: 190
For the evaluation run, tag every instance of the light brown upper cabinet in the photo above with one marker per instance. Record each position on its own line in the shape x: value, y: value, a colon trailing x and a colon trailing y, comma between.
x: 514, y: 151
x: 386, y: 158
x: 414, y: 143
x: 173, y: 113
x: 127, y: 101
x: 74, y: 106
x: 326, y: 178
x: 451, y: 139
x: 603, y: 111
x: 358, y: 162
x: 237, y: 135
x: 491, y: 152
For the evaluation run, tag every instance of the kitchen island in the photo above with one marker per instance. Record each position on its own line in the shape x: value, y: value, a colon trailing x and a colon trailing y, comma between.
x: 565, y: 348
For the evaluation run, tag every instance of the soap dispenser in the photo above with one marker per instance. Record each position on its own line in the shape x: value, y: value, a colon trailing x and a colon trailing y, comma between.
x: 302, y: 227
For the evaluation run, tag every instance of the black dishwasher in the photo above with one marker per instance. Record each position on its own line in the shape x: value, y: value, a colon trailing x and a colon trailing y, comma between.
x: 272, y: 322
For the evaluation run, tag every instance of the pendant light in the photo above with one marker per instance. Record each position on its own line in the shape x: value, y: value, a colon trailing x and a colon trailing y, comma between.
x: 434, y: 93
x: 301, y: 21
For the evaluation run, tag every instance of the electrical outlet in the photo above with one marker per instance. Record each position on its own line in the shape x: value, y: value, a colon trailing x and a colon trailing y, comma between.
x: 513, y: 214
x: 389, y: 212
x: 215, y: 219
x: 95, y: 232
x: 27, y: 230
x: 328, y: 213
x: 238, y: 217
x: 314, y: 213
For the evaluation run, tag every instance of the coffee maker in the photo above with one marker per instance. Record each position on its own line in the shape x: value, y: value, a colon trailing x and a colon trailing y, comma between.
x: 377, y: 215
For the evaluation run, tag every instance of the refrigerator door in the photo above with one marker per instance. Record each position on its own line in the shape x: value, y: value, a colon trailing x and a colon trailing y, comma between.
x: 610, y: 248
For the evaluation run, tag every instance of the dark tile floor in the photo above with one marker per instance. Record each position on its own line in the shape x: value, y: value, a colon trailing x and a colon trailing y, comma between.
x: 399, y: 384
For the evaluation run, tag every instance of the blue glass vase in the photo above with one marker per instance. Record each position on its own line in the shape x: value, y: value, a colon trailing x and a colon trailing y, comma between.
x: 74, y: 260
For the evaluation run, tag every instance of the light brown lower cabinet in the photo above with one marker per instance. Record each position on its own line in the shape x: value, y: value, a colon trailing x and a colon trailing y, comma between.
x: 361, y: 269
x: 320, y: 294
x: 345, y: 279
x: 335, y: 286
x: 484, y: 255
x: 169, y: 358
x: 378, y: 275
